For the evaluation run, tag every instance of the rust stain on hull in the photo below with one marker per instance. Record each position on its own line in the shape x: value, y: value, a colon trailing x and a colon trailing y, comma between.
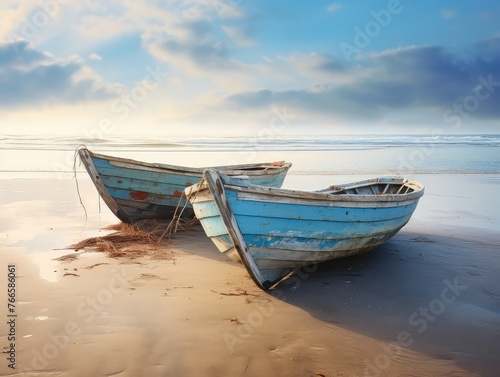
x: 177, y: 194
x: 138, y: 195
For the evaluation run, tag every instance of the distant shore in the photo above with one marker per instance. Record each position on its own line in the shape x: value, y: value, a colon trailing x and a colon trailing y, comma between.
x: 426, y: 303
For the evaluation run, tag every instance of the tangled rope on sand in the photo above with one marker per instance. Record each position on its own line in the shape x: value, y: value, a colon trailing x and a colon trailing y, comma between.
x: 144, y: 238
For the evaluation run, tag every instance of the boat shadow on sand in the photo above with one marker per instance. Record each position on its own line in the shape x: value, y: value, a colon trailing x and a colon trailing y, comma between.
x: 441, y: 292
x: 426, y: 289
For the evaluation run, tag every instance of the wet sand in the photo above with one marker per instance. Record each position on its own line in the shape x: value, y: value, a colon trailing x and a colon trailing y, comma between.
x: 425, y: 304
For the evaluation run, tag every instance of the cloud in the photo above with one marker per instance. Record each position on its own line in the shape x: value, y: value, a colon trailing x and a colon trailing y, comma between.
x: 19, y: 54
x: 428, y: 79
x: 241, y: 36
x: 228, y: 9
x: 203, y: 54
x: 95, y: 56
x: 195, y: 36
x: 486, y: 16
x: 99, y: 27
x: 314, y: 62
x: 334, y: 7
x: 449, y: 14
x: 30, y: 77
x: 194, y: 48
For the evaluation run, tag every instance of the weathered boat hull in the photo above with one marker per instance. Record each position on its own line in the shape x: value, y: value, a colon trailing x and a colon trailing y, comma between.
x: 273, y: 231
x: 136, y: 190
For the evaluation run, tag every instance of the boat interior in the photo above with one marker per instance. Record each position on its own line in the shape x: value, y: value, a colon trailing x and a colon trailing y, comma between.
x: 372, y: 188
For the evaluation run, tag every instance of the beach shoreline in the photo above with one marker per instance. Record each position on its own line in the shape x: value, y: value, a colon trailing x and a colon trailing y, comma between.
x: 426, y: 302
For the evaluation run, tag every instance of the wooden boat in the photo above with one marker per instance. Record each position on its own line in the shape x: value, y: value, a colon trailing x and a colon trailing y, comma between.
x: 273, y: 231
x: 135, y: 190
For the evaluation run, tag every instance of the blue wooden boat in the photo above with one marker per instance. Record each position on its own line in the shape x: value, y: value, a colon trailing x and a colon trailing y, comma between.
x: 135, y: 190
x: 273, y: 231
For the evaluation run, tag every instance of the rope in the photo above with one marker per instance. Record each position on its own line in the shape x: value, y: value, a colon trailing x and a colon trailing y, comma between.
x: 75, y: 156
x: 173, y: 226
x: 174, y: 223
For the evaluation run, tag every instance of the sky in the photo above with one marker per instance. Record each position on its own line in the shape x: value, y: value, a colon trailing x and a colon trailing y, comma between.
x: 241, y: 67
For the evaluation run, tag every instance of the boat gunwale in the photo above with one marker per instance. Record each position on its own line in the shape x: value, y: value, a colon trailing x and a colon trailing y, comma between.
x: 326, y: 195
x: 272, y: 168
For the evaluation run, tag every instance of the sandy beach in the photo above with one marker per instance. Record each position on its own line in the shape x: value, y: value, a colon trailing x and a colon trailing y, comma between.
x: 425, y: 304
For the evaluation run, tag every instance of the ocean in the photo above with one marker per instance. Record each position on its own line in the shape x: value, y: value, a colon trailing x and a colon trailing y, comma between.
x: 310, y: 155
